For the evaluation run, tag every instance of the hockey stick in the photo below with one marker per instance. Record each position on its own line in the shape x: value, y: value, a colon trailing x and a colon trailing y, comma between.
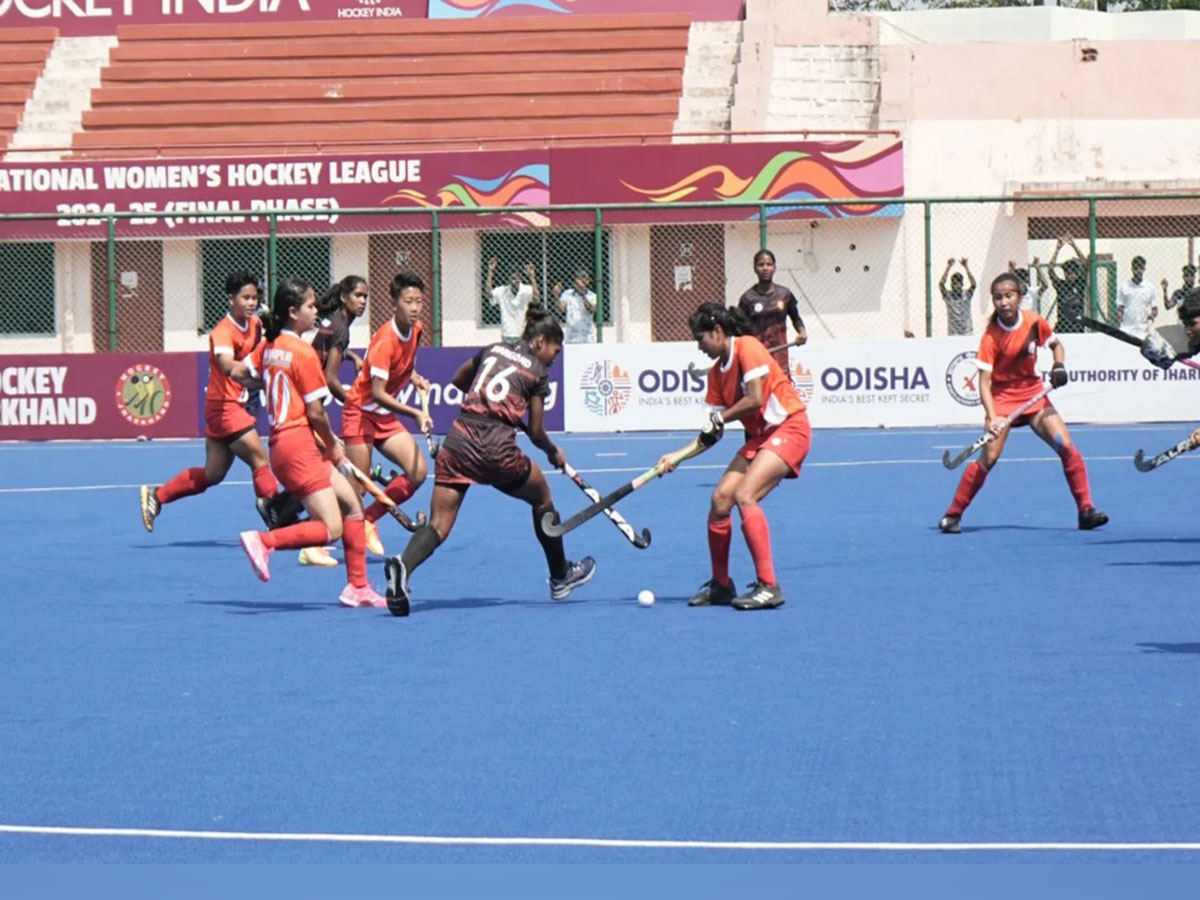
x: 554, y: 528
x: 1114, y: 332
x: 641, y: 541
x: 988, y: 436
x: 433, y: 445
x: 353, y: 471
x: 696, y: 370
x: 1149, y: 465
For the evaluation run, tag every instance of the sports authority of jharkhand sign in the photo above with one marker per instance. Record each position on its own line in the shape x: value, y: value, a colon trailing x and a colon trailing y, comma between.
x: 76, y: 18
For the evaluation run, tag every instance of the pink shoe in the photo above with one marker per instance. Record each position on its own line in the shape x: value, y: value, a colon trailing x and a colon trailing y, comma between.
x: 360, y: 596
x: 252, y: 543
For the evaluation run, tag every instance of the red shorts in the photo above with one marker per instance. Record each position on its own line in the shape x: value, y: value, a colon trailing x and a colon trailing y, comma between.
x: 789, y: 440
x: 297, y: 463
x: 1007, y: 404
x: 226, y: 421
x: 361, y: 426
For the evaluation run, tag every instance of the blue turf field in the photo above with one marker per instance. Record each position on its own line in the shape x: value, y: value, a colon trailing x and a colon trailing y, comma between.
x: 1021, y: 683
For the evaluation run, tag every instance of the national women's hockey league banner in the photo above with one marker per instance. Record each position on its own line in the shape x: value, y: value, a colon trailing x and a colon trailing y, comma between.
x: 869, y: 384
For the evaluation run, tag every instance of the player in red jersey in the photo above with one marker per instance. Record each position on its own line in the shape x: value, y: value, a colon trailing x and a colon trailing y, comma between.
x: 769, y: 306
x: 500, y: 383
x: 229, y: 428
x: 746, y: 384
x: 1007, y: 361
x: 372, y: 404
x: 296, y: 391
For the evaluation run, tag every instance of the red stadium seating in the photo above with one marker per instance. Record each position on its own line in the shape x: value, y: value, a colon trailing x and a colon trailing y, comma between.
x: 24, y: 52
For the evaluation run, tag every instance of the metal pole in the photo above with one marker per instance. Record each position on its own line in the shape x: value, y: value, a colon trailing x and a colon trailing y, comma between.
x: 762, y: 227
x: 272, y: 257
x: 112, y: 285
x: 928, y: 270
x: 1091, y: 257
x: 435, y: 238
x: 598, y: 274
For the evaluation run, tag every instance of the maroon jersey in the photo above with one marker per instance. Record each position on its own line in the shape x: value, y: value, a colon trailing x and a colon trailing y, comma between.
x: 769, y: 313
x: 506, y: 378
x: 332, y: 332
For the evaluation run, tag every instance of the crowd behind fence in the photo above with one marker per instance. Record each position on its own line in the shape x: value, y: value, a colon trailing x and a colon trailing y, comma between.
x: 88, y: 281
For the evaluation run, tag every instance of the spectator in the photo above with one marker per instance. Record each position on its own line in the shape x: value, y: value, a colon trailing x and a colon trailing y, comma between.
x: 1031, y: 297
x: 1070, y: 290
x: 1137, y: 301
x: 579, y: 304
x: 958, y: 301
x: 1172, y: 300
x: 769, y: 306
x: 513, y: 299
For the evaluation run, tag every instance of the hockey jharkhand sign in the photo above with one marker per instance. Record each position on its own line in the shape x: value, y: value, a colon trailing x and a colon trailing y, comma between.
x: 96, y: 17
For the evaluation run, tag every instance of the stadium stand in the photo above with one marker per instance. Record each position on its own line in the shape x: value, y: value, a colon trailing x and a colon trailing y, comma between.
x: 23, y: 52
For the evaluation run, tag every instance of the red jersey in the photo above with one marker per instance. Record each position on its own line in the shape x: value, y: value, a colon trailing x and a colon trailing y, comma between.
x: 229, y: 338
x: 292, y: 378
x: 749, y: 359
x: 391, y: 356
x: 1010, y: 354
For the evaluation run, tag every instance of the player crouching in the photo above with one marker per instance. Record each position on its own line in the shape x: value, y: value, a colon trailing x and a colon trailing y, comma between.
x: 1007, y: 361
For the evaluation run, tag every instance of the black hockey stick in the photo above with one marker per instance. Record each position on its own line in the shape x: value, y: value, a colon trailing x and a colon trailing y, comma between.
x: 988, y: 436
x: 1114, y: 332
x: 641, y: 541
x: 1149, y: 465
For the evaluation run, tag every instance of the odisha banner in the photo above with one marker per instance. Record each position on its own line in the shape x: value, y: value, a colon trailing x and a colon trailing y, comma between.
x: 76, y: 18
x: 228, y: 196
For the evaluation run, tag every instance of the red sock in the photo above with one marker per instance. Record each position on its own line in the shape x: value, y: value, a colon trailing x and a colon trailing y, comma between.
x: 1076, y: 472
x: 265, y: 484
x: 719, y: 533
x: 354, y: 541
x: 972, y: 480
x: 185, y: 484
x: 297, y: 537
x: 399, y: 489
x: 758, y: 539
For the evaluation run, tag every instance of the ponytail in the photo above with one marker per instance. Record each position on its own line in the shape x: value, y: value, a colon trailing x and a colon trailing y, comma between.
x: 289, y: 295
x: 331, y: 300
x: 540, y: 322
x: 733, y: 321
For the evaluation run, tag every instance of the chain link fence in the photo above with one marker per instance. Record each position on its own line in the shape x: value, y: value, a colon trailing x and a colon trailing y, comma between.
x: 608, y: 276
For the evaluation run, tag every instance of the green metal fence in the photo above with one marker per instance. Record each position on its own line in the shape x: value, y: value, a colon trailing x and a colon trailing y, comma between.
x: 922, y: 272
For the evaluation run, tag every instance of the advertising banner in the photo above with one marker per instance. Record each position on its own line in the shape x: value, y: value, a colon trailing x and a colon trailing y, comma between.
x: 78, y: 18
x: 869, y: 384
x: 55, y: 397
x: 700, y: 10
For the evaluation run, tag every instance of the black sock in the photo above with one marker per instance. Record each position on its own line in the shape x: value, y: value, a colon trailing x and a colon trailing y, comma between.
x: 420, y: 547
x: 285, y: 509
x: 556, y: 557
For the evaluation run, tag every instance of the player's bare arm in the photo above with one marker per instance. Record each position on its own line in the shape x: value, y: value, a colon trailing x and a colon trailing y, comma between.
x: 537, y: 433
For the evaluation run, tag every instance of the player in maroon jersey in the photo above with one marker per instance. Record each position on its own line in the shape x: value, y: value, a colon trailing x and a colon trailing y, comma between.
x: 500, y: 383
x: 769, y: 306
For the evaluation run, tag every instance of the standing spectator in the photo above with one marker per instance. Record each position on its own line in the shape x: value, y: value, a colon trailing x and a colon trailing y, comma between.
x: 1071, y: 289
x: 513, y: 299
x: 1137, y: 301
x: 1172, y: 300
x: 958, y: 301
x: 1031, y: 297
x: 579, y: 303
x: 769, y: 306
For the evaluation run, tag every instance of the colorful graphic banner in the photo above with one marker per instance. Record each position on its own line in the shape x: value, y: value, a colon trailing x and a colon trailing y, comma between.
x: 76, y: 18
x: 700, y: 10
x: 55, y: 397
x: 228, y: 196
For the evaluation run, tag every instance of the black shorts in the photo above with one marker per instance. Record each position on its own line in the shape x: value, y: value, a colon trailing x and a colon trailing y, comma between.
x: 481, y: 451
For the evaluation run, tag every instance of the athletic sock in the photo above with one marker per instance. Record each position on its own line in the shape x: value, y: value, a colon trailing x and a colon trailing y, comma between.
x: 420, y: 547
x: 968, y: 486
x: 185, y: 484
x: 1077, y: 479
x: 297, y: 537
x: 354, y: 542
x: 399, y: 489
x: 265, y: 484
x: 556, y: 557
x: 758, y: 539
x: 720, y: 534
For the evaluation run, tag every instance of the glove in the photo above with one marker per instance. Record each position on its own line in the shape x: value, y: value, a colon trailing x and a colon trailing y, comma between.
x: 713, y: 430
x: 1058, y: 375
x: 1157, y: 351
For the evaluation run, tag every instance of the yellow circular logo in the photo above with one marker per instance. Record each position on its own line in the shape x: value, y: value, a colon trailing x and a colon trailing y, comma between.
x: 143, y: 394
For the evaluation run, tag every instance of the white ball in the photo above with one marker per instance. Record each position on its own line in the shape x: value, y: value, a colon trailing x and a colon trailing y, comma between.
x: 645, y: 598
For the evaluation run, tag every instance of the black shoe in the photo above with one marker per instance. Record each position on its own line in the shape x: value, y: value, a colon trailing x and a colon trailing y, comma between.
x: 578, y: 573
x: 263, y: 505
x: 397, y: 586
x: 1090, y: 518
x: 949, y: 524
x: 712, y: 593
x: 760, y: 596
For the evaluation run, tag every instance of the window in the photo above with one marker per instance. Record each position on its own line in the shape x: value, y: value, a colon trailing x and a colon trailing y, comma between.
x: 556, y: 257
x: 27, y: 296
x: 298, y: 257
